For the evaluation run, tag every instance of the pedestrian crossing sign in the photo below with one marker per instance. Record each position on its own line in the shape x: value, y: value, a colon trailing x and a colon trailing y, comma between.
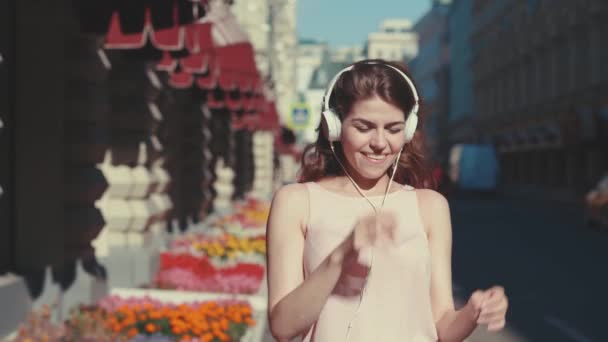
x: 300, y: 116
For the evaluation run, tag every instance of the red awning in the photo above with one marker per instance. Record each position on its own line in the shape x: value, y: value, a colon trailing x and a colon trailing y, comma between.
x: 237, y: 65
x: 209, y: 80
x: 167, y: 63
x: 266, y: 119
x: 269, y: 118
x: 165, y: 39
x: 181, y: 80
x: 220, y: 50
x: 95, y: 15
x: 247, y: 121
x: 233, y: 104
x: 213, y: 102
x: 200, y: 45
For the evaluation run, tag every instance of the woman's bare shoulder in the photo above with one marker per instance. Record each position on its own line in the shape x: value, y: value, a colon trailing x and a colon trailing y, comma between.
x: 434, y: 210
x: 430, y: 199
x: 294, y: 191
x: 290, y: 204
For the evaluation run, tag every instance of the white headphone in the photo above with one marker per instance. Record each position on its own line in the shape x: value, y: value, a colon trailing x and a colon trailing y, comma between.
x: 332, y: 125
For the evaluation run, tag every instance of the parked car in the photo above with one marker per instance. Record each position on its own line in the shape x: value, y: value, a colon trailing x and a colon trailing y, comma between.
x: 596, y: 204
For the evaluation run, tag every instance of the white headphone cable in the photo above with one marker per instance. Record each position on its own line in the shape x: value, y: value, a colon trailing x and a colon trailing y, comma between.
x: 388, y: 186
x: 376, y: 210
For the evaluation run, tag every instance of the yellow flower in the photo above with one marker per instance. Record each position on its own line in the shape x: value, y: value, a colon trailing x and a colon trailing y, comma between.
x: 231, y: 255
x: 232, y: 243
x: 244, y: 244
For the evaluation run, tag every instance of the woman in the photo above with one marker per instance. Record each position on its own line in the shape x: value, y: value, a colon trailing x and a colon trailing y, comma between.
x: 354, y: 255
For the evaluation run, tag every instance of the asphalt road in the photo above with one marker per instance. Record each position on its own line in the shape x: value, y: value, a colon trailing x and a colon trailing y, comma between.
x: 553, y: 268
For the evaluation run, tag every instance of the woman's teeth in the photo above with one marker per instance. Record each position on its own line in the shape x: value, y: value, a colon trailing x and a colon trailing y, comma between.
x: 375, y: 157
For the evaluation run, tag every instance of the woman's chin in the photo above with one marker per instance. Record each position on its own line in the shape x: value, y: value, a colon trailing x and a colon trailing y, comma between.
x: 374, y: 174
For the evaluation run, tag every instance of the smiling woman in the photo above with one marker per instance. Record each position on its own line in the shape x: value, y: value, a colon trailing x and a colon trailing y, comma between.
x: 381, y: 93
x: 348, y: 262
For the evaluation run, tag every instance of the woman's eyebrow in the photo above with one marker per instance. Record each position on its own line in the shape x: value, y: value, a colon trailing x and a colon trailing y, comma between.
x: 369, y: 123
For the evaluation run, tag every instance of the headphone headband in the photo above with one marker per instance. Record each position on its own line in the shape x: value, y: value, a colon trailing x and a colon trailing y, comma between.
x: 332, y: 84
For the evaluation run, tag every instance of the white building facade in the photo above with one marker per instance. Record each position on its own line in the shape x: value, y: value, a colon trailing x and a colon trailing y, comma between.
x: 283, y: 54
x: 253, y: 16
x: 271, y: 26
x: 395, y: 41
x: 311, y: 55
x: 348, y: 54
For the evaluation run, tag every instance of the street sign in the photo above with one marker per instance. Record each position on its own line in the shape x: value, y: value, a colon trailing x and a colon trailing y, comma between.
x: 300, y: 116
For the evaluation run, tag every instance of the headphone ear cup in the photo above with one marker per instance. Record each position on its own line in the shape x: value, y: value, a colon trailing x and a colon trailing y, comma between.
x: 331, y: 125
x: 410, y: 127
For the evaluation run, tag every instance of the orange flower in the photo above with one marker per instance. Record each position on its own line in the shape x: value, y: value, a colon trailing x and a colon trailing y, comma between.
x: 176, y: 322
x: 132, y: 332
x: 151, y: 328
x: 129, y: 321
x: 176, y: 330
x: 224, y: 323
x: 208, y: 337
x: 223, y: 337
x: 215, y: 326
x: 237, y: 318
x: 207, y: 321
x: 155, y: 314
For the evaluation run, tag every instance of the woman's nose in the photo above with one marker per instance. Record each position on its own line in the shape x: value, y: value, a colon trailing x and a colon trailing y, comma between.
x: 379, y: 140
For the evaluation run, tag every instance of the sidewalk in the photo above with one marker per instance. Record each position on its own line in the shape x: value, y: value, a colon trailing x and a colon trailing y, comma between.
x: 505, y: 335
x: 541, y: 193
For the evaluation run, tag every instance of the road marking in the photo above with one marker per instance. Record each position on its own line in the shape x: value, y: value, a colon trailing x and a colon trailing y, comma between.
x: 566, y: 329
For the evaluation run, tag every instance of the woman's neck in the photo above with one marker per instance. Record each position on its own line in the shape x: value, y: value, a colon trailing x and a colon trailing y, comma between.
x: 369, y: 187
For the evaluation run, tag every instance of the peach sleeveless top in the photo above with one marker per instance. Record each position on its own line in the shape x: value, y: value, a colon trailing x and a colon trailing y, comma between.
x: 396, y: 305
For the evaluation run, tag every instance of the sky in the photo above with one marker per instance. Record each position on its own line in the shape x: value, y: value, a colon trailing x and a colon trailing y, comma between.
x: 347, y: 22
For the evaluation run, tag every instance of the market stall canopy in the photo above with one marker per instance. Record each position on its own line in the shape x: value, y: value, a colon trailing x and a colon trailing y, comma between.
x: 220, y: 55
x: 137, y: 17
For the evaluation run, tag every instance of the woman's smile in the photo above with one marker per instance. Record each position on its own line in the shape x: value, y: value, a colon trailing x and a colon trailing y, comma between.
x: 375, y: 159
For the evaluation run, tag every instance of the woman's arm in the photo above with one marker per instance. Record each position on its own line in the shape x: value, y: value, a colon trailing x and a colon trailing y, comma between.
x: 294, y: 304
x: 451, y: 324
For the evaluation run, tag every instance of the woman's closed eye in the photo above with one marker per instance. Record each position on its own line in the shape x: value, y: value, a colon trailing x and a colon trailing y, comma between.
x: 362, y: 128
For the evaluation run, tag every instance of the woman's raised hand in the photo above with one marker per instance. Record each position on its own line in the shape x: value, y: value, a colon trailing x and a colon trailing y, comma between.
x: 490, y: 307
x: 375, y: 230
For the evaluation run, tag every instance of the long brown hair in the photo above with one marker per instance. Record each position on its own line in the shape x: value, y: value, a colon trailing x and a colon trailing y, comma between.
x: 365, y: 81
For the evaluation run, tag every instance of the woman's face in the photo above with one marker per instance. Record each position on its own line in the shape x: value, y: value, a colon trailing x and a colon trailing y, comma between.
x: 372, y: 136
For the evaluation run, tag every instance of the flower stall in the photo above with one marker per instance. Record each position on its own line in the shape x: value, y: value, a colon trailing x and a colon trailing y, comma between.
x: 148, y: 317
x: 224, y: 263
x: 195, y: 311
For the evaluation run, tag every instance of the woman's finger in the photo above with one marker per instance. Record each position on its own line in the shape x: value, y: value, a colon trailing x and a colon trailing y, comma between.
x: 365, y: 256
x: 494, y: 302
x: 490, y: 317
x: 497, y: 325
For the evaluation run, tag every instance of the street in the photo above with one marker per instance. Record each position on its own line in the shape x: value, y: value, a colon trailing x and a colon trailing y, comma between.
x: 552, y: 267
